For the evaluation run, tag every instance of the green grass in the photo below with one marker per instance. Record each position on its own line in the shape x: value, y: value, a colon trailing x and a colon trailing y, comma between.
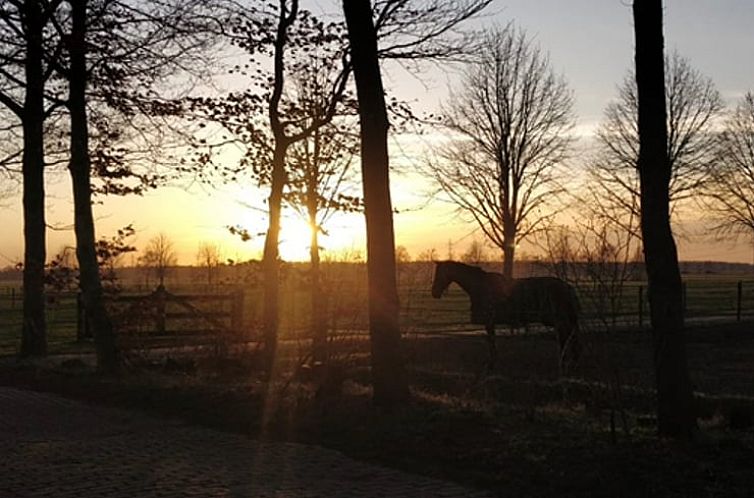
x: 345, y: 285
x: 61, y: 322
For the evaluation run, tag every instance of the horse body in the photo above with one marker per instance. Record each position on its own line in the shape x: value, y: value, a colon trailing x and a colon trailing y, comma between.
x: 496, y: 300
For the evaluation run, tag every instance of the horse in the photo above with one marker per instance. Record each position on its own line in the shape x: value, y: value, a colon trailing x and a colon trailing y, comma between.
x: 515, y: 302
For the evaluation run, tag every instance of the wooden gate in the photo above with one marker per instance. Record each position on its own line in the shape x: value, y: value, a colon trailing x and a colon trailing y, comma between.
x: 161, y: 309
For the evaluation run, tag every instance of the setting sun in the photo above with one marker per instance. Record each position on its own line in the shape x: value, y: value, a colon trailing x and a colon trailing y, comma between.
x: 343, y: 233
x: 295, y: 240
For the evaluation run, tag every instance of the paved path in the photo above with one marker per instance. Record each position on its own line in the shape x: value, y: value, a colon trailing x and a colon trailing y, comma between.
x: 54, y: 447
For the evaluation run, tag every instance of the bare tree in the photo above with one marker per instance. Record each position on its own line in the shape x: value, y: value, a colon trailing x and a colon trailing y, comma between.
x: 159, y: 256
x: 509, y: 126
x: 693, y: 106
x: 729, y: 190
x: 402, y: 255
x: 428, y: 255
x: 675, y: 404
x: 596, y: 255
x: 208, y: 257
x: 320, y: 172
x: 425, y: 24
x: 475, y: 253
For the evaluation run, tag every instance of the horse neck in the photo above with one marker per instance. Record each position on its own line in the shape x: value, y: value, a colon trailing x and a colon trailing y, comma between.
x: 469, y: 281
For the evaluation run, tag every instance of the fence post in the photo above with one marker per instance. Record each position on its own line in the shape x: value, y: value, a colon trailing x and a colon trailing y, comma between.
x: 12, y: 297
x: 641, y: 306
x: 739, y: 296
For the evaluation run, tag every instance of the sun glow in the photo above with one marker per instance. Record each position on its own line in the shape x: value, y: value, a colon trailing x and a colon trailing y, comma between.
x: 343, y: 234
x: 295, y: 239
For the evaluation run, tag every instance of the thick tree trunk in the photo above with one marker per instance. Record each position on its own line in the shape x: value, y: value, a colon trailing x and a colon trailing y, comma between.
x: 108, y: 358
x: 34, y: 328
x: 271, y: 263
x: 388, y: 371
x: 509, y: 254
x: 675, y: 409
x: 509, y: 240
x: 509, y: 250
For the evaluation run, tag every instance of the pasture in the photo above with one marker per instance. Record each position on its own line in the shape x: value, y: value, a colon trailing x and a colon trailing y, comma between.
x: 521, y: 431
x: 611, y: 306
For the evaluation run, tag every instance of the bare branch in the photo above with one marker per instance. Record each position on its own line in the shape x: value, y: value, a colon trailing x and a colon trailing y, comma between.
x: 694, y: 106
x: 510, y: 131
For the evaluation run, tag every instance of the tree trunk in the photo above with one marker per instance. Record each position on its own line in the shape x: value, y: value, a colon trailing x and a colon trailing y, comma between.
x: 388, y: 371
x: 509, y: 241
x: 34, y: 328
x: 318, y: 303
x: 108, y: 357
x: 675, y: 410
x: 509, y: 254
x: 271, y: 263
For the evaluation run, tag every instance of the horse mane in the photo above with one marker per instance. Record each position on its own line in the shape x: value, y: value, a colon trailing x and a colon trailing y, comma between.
x: 463, y: 265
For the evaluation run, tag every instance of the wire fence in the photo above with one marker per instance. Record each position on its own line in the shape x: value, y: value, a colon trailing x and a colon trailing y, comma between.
x: 704, y: 300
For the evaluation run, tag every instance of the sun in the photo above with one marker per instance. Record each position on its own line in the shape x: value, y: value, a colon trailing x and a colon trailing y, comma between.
x: 295, y: 239
x: 342, y: 233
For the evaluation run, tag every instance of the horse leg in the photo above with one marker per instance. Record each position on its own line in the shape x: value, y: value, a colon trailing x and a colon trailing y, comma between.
x: 492, y: 347
x: 570, y: 349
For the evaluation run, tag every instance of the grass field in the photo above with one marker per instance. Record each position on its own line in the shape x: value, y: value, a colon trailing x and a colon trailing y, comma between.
x: 707, y: 297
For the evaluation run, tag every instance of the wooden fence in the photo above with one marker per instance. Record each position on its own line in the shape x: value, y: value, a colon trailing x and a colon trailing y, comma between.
x: 227, y: 310
x: 203, y: 313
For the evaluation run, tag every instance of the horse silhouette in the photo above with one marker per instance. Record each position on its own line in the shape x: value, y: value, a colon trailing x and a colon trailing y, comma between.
x: 515, y: 302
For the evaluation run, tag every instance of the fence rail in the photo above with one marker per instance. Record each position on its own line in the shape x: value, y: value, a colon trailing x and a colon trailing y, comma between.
x: 229, y: 310
x: 731, y: 300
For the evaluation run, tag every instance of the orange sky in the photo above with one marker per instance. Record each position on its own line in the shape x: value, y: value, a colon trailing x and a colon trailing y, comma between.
x: 192, y: 215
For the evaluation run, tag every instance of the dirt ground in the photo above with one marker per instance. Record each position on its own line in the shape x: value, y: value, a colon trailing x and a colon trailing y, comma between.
x: 521, y: 431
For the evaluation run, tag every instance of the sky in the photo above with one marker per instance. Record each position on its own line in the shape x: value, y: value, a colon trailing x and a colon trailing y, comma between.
x: 590, y: 42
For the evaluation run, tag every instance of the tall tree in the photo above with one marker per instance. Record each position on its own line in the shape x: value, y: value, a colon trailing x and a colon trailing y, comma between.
x: 106, y: 58
x: 320, y: 172
x: 282, y: 108
x: 293, y: 39
x: 675, y: 407
x: 23, y: 74
x: 729, y: 189
x: 510, y: 127
x: 693, y: 108
x: 388, y: 371
x: 97, y: 316
x: 283, y: 139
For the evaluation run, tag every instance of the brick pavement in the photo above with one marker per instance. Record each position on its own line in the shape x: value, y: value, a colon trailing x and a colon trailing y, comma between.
x: 55, y: 447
